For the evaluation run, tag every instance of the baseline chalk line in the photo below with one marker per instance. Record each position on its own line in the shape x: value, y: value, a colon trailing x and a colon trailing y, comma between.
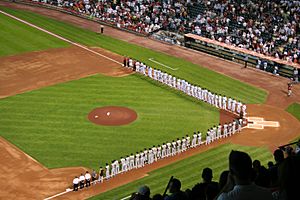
x: 59, y: 194
x: 60, y: 37
x: 152, y: 60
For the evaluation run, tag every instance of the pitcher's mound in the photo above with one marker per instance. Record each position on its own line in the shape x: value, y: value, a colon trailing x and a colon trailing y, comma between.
x: 112, y: 116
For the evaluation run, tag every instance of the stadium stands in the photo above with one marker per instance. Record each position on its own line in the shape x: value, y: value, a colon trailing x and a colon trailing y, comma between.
x: 267, y: 27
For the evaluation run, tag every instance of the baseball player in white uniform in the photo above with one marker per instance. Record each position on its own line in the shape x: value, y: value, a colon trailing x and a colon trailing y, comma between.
x: 199, y: 138
x: 183, y: 144
x: 244, y: 108
x: 207, y: 137
x: 107, y: 174
x: 225, y: 131
x: 194, y: 140
x: 168, y: 149
x: 131, y: 162
x: 163, y: 150
x: 178, y: 145
x: 158, y: 152
x: 137, y: 160
x: 113, y: 169
x: 224, y: 102
x: 219, y: 132
x: 188, y: 141
x: 229, y: 104
x: 173, y: 148
x: 233, y: 127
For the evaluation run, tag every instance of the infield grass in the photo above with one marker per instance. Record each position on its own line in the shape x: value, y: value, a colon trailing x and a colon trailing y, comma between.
x: 294, y: 109
x: 51, y: 124
x: 188, y: 171
x: 193, y: 73
x: 17, y: 37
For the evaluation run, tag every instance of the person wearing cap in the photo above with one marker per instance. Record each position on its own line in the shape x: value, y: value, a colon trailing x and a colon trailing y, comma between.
x: 94, y: 176
x: 81, y: 179
x: 87, y: 179
x: 101, y: 175
x: 75, y: 183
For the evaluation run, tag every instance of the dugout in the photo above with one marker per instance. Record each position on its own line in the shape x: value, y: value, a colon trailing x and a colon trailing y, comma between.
x: 240, y: 55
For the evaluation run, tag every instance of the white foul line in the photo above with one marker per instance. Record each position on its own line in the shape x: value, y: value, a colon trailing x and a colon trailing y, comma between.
x: 126, y: 197
x: 59, y: 37
x: 67, y: 190
x: 152, y: 60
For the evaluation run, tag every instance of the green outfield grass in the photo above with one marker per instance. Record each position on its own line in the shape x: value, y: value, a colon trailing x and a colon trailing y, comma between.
x: 193, y: 73
x: 51, y: 124
x: 17, y: 37
x: 188, y: 171
x: 294, y: 109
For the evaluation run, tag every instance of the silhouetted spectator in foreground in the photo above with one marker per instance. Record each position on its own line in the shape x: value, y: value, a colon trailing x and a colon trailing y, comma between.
x: 158, y: 197
x: 208, y: 189
x: 279, y: 158
x: 261, y: 174
x: 176, y: 193
x: 239, y: 185
x: 223, y: 179
x: 142, y: 194
x: 289, y: 176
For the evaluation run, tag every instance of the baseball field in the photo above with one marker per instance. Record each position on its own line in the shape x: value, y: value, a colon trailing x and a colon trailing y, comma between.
x: 49, y: 85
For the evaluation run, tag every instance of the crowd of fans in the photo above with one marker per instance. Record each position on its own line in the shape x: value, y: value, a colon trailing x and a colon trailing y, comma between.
x: 269, y: 27
x: 243, y: 180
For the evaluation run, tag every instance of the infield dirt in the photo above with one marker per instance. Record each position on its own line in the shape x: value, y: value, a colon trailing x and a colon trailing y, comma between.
x: 34, y: 181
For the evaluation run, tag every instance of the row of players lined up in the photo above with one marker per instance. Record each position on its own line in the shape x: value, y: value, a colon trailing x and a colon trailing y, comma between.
x: 197, y: 92
x: 151, y: 155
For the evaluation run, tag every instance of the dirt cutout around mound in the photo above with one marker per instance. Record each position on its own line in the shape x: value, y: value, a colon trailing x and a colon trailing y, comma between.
x: 112, y: 116
x: 29, y: 71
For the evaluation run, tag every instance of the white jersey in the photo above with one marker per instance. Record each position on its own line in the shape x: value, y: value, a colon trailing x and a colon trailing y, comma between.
x: 225, y: 131
x: 244, y: 108
x: 194, y: 141
x: 229, y: 104
x: 233, y: 127
x: 168, y: 149
x: 219, y: 132
x: 224, y: 102
x: 163, y: 150
x: 178, y: 146
x: 233, y: 105
x: 199, y: 138
x: 107, y: 172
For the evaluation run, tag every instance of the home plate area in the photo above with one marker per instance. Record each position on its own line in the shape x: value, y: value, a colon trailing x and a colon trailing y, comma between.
x: 260, y: 123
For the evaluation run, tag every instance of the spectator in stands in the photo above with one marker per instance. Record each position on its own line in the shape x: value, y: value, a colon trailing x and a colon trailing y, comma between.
x: 142, y: 194
x: 208, y: 189
x: 239, y: 185
x: 289, y: 176
x: 279, y: 158
x: 174, y: 189
x: 223, y: 179
x: 260, y: 26
x: 261, y: 174
x: 157, y: 197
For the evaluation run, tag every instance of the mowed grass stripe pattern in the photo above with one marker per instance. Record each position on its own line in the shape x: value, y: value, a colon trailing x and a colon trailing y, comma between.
x: 193, y: 73
x: 188, y: 171
x: 294, y: 109
x: 51, y: 124
x: 17, y: 37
